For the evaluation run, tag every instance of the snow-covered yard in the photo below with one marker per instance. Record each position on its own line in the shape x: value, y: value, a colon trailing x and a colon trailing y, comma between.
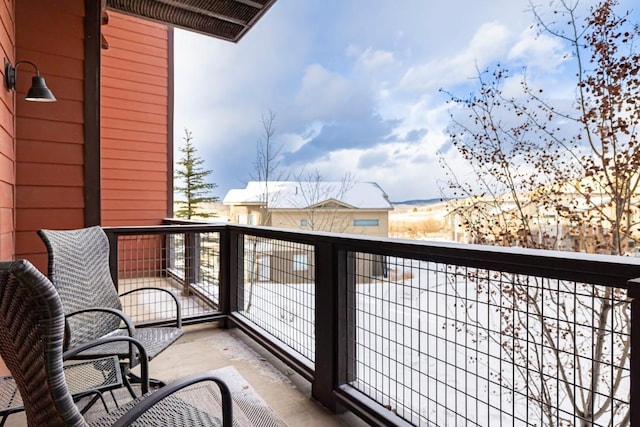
x: 444, y: 345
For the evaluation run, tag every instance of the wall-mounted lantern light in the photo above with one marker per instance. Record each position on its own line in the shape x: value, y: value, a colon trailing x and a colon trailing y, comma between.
x: 38, y: 92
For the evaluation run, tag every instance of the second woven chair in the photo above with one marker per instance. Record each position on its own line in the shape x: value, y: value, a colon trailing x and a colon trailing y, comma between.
x: 79, y: 270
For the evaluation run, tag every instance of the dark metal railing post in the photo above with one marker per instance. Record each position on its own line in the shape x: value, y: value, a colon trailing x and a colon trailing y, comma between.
x: 225, y: 277
x: 236, y: 276
x: 113, y: 257
x: 633, y: 293
x: 334, y: 322
x: 326, y: 316
x: 190, y: 261
x: 238, y: 269
x: 346, y: 317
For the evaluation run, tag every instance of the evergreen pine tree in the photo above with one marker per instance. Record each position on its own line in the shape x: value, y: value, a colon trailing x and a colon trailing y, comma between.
x: 190, y: 182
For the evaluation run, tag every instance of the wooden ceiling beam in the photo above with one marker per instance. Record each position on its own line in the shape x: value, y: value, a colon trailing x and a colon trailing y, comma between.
x: 225, y: 19
x: 183, y: 6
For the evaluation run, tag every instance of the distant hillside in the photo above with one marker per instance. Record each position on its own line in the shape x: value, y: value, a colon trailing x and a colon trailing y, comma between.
x: 418, y: 202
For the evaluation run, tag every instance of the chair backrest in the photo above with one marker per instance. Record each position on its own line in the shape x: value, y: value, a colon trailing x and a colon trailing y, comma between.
x: 31, y: 334
x: 79, y: 270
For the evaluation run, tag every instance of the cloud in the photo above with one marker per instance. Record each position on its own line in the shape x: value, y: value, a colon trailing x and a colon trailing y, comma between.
x: 326, y: 95
x: 372, y: 59
x: 291, y: 142
x: 381, y: 164
x: 539, y: 51
x: 372, y: 159
x: 416, y: 134
x: 421, y: 119
x: 489, y: 42
x: 367, y: 130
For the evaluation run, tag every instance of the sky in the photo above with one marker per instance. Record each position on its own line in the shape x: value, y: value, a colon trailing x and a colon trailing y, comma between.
x: 354, y: 85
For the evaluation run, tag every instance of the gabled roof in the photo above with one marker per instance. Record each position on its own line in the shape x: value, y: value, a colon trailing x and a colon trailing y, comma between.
x: 305, y: 195
x: 224, y: 19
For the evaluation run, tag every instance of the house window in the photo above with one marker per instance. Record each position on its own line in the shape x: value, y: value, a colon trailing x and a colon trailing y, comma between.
x: 300, y: 262
x: 366, y: 222
x: 303, y: 223
x: 249, y: 219
x: 264, y: 268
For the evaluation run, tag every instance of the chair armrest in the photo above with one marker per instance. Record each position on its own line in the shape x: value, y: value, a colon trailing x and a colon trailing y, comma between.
x: 148, y: 401
x: 175, y: 300
x: 144, y: 359
x: 118, y: 313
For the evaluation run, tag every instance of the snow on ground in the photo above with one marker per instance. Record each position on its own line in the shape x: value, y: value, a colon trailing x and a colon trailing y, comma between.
x: 430, y: 346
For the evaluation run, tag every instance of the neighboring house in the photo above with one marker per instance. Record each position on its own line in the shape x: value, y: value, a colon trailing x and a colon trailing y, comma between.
x: 581, y: 228
x: 354, y: 208
x: 103, y: 153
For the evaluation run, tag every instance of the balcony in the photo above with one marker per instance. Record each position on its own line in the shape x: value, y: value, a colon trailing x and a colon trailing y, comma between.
x: 399, y: 332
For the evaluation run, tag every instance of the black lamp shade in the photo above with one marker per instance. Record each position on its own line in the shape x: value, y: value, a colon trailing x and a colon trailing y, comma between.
x: 39, y: 91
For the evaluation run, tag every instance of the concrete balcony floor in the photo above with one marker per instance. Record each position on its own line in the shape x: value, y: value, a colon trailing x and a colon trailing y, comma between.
x: 206, y: 347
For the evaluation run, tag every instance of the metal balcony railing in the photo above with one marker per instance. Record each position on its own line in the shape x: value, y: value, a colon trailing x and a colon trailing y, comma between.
x: 411, y: 332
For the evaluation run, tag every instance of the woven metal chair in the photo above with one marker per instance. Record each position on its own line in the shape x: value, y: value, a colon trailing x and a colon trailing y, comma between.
x: 79, y: 270
x: 31, y: 344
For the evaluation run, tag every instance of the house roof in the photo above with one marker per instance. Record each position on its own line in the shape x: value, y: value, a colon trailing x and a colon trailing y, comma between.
x: 305, y: 195
x: 224, y: 19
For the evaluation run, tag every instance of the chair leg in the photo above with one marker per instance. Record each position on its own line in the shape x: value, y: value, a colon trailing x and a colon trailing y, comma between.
x: 115, y: 401
x: 127, y: 384
x: 104, y: 403
x: 153, y: 382
x: 96, y: 396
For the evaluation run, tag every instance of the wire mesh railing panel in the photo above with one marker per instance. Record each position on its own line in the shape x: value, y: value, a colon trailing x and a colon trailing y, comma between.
x: 411, y: 325
x: 277, y: 291
x: 187, y: 264
x: 442, y: 344
x: 208, y: 280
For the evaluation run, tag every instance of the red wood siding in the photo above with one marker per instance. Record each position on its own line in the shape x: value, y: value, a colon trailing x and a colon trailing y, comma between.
x: 7, y: 146
x: 134, y: 122
x: 49, y: 136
